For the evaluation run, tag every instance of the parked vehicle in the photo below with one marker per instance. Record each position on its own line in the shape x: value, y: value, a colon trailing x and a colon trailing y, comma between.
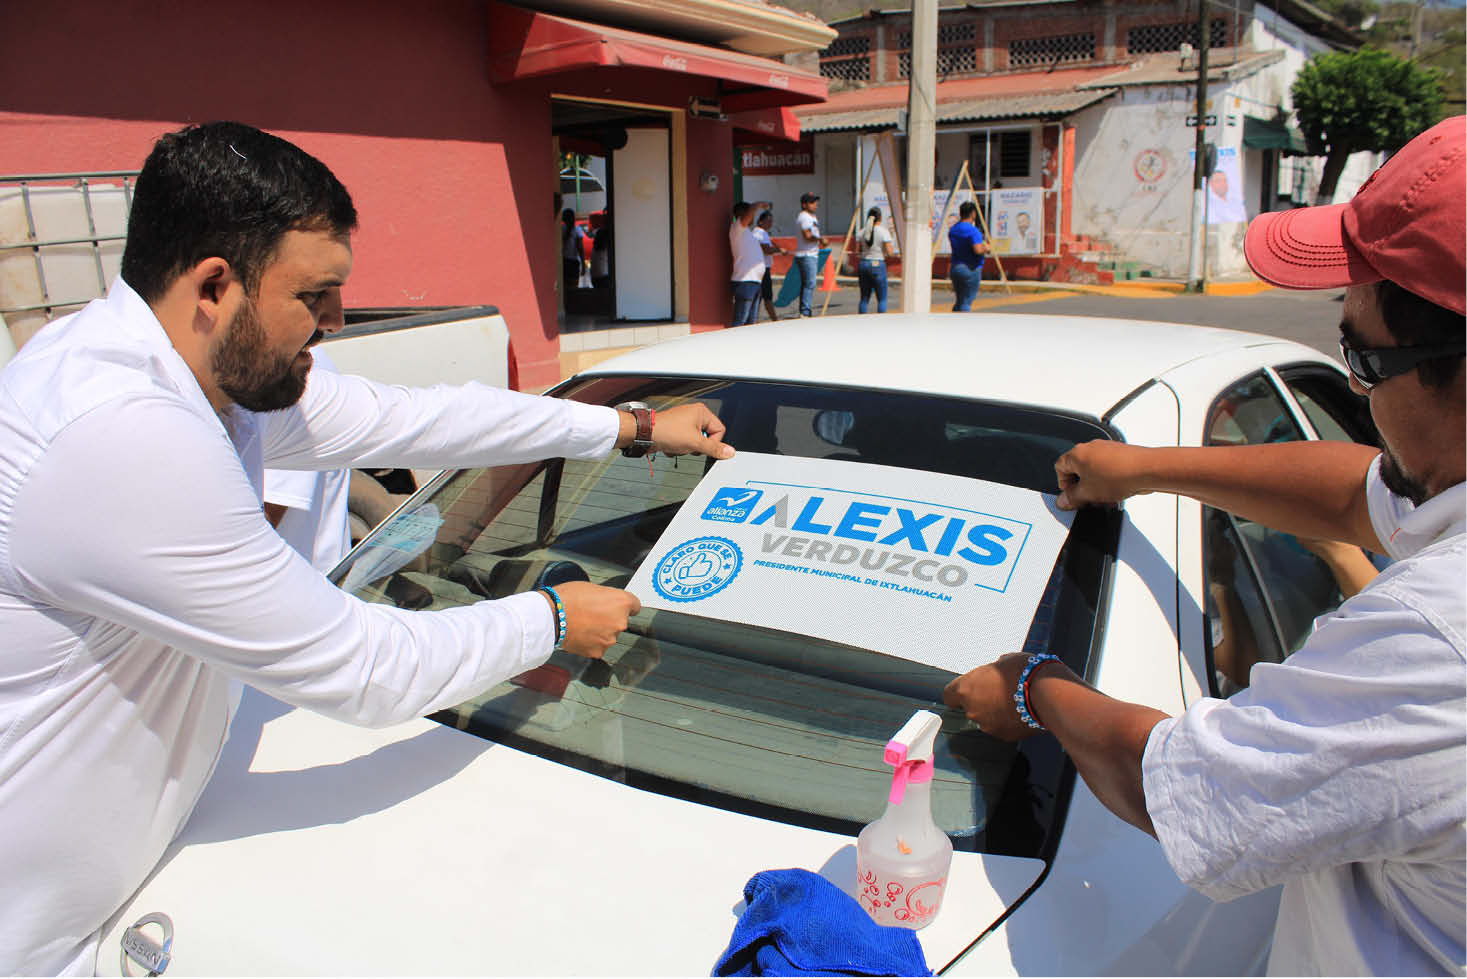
x: 603, y: 816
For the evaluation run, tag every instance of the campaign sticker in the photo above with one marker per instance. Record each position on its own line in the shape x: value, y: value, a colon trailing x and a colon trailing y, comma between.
x: 697, y: 569
x: 732, y: 504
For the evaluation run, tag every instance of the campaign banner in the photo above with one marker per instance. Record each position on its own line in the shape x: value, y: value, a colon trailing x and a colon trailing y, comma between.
x: 932, y: 568
x: 945, y: 211
x: 1018, y: 220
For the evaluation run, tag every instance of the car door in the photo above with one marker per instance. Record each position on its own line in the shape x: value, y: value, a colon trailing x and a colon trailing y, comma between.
x: 1264, y: 588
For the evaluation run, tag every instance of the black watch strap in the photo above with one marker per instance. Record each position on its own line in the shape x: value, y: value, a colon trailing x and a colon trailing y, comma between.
x: 642, y: 443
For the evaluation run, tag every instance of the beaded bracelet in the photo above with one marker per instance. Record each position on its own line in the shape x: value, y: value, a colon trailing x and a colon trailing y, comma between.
x: 1021, y: 694
x: 559, y: 614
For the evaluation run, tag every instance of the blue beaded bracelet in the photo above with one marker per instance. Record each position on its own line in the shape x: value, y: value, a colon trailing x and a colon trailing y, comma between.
x: 559, y: 614
x: 1021, y: 694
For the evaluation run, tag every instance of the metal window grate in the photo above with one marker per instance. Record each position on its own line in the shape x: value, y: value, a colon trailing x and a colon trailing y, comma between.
x: 1152, y: 38
x: 952, y: 34
x: 957, y: 50
x: 847, y: 58
x: 1052, y: 50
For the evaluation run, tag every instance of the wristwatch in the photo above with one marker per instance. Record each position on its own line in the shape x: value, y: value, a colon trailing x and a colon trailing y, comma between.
x: 642, y: 443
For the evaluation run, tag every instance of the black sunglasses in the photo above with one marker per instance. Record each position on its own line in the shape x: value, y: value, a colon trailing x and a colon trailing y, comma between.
x: 1377, y: 364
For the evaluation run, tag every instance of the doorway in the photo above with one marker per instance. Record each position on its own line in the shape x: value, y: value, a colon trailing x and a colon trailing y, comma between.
x: 616, y: 177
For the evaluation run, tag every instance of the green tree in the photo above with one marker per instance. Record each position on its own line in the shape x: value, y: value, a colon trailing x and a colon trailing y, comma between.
x: 1368, y: 99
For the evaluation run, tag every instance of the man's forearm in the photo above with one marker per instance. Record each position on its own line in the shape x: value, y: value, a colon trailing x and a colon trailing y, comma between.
x: 1105, y: 737
x: 1311, y: 489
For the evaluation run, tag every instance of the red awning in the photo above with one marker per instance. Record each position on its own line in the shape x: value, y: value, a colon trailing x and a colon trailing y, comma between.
x: 762, y: 125
x: 527, y: 44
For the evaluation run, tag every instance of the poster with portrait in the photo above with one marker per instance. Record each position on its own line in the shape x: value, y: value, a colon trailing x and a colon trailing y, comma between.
x: 1225, y: 188
x: 940, y: 222
x: 1018, y: 220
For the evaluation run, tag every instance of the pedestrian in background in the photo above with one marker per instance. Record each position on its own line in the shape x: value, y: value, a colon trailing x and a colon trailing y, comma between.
x: 968, y: 249
x: 572, y: 250
x: 807, y: 248
x: 875, y: 250
x: 766, y: 287
x: 748, y: 264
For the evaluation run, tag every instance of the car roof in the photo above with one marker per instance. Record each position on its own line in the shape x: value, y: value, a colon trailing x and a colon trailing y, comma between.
x: 1075, y: 364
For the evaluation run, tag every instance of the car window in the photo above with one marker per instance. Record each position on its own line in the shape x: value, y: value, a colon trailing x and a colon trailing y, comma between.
x: 781, y: 725
x: 1251, y: 412
x: 1264, y: 587
x: 1337, y: 413
x: 1239, y: 621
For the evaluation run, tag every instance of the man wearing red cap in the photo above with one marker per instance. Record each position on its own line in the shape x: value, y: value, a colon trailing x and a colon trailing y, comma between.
x: 1340, y: 773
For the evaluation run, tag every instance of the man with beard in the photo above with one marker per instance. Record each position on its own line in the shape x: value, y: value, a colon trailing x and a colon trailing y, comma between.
x: 139, y: 580
x: 1340, y: 772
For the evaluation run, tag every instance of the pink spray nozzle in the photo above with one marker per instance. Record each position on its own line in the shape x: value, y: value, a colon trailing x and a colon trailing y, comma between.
x: 910, y: 771
x: 895, y: 753
x: 910, y: 751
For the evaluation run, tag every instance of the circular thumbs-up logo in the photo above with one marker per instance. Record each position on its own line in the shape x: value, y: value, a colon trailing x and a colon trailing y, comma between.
x: 697, y: 569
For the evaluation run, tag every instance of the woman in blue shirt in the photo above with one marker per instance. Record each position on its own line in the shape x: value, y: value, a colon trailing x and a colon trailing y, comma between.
x: 968, y: 249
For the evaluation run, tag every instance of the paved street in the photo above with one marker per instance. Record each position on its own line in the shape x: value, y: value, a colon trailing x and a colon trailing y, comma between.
x: 1311, y: 318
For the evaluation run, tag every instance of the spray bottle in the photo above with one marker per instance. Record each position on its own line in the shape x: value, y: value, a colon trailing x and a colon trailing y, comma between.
x: 902, y: 859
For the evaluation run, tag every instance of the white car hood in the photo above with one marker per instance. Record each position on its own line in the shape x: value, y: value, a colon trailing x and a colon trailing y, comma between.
x: 319, y: 848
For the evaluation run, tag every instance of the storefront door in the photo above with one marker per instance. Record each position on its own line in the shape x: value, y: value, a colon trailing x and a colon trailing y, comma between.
x: 641, y: 196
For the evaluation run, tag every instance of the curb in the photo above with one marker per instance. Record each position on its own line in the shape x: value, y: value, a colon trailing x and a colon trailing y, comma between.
x: 1251, y: 287
x: 1130, y: 288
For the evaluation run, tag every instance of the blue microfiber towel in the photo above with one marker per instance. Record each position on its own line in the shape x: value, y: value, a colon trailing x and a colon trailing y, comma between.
x: 800, y: 924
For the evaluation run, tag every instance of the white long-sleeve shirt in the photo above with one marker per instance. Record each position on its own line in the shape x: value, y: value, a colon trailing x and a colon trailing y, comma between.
x: 139, y: 579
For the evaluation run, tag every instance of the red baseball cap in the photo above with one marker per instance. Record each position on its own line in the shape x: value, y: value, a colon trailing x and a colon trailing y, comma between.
x: 1407, y: 224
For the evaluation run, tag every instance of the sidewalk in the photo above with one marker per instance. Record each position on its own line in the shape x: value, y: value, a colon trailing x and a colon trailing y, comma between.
x: 1131, y: 287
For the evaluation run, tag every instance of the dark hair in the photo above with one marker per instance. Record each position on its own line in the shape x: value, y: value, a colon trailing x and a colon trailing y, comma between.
x: 226, y: 190
x: 967, y: 210
x: 740, y: 209
x: 1414, y: 321
x: 873, y: 218
x: 762, y: 216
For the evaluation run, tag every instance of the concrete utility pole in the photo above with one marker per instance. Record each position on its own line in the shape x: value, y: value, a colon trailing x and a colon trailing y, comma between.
x: 1195, y: 272
x: 921, y: 159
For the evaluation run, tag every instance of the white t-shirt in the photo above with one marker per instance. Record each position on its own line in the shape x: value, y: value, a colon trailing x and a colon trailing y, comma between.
x: 1340, y: 772
x: 748, y: 257
x: 805, y: 221
x: 140, y: 583
x: 764, y: 239
x: 571, y: 244
x: 874, y: 252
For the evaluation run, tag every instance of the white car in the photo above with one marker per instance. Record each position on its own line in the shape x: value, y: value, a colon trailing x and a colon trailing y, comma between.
x: 603, y: 817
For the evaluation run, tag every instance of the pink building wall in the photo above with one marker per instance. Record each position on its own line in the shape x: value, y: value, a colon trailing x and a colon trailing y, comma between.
x: 453, y: 178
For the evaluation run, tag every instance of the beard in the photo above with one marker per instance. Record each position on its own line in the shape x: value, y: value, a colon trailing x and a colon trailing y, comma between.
x: 254, y: 376
x: 1398, y: 481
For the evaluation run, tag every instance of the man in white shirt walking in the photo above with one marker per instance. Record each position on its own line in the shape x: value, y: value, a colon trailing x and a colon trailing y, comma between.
x: 1340, y: 773
x: 153, y: 412
x: 808, y: 243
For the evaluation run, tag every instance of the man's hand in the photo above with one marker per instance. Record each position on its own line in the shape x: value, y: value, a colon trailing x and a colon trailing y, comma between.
x: 594, y: 616
x: 986, y: 695
x: 1100, y: 472
x: 690, y: 428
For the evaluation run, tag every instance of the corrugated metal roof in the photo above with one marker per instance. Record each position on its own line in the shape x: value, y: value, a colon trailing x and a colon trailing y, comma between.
x: 1223, y: 64
x: 1046, y: 104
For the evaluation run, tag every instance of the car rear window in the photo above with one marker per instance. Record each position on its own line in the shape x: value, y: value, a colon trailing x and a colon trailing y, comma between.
x: 778, y: 724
